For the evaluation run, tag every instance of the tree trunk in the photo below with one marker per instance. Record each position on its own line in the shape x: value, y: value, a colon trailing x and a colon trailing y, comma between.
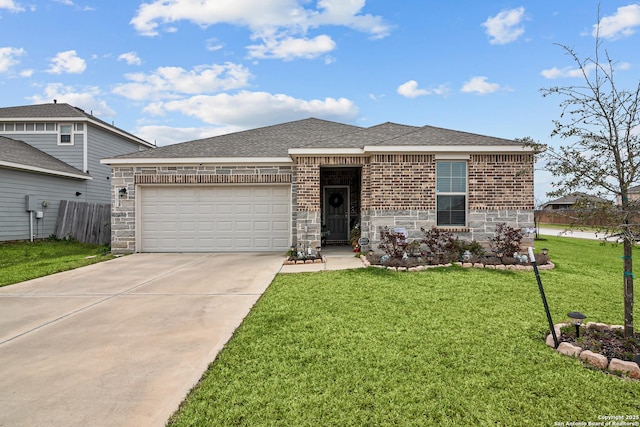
x: 628, y: 288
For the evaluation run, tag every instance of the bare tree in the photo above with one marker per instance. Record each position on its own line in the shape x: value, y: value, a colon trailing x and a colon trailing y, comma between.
x: 601, y: 124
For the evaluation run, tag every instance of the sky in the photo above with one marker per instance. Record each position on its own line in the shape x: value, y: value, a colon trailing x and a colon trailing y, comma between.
x: 171, y: 71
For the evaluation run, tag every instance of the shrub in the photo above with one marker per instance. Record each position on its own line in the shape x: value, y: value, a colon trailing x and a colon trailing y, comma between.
x: 506, y: 240
x: 473, y: 246
x: 442, y: 244
x: 392, y: 243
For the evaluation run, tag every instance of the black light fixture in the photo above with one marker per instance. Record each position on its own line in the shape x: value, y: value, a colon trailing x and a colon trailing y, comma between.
x: 123, y: 191
x: 577, y: 318
x: 78, y: 193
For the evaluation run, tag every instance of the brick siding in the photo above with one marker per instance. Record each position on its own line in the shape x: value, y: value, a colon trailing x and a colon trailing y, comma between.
x: 395, y: 190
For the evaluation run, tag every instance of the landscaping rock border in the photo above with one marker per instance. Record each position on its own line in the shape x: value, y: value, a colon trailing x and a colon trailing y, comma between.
x: 629, y: 369
x: 517, y: 267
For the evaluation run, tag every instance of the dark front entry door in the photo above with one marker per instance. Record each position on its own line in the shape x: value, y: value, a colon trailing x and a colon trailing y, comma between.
x: 336, y: 212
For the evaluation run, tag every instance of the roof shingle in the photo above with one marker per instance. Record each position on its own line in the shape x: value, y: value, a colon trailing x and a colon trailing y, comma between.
x: 276, y: 140
x: 20, y: 153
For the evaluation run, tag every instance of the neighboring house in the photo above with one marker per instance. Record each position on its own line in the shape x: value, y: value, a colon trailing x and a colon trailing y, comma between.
x: 269, y: 188
x: 52, y: 152
x: 634, y: 194
x: 567, y: 202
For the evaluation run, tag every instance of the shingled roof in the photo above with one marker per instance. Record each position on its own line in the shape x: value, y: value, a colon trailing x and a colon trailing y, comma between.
x: 269, y: 141
x: 430, y: 135
x: 61, y: 111
x: 41, y: 111
x: 17, y: 154
x: 277, y: 140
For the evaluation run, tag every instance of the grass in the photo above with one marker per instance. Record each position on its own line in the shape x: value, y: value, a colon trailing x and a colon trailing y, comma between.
x: 452, y: 347
x: 21, y: 261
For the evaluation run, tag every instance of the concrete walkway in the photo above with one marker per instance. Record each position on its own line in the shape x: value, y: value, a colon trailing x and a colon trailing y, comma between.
x: 337, y: 258
x: 573, y: 233
x: 120, y: 343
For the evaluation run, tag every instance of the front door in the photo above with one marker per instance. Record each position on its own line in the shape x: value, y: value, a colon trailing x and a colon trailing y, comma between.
x: 336, y: 211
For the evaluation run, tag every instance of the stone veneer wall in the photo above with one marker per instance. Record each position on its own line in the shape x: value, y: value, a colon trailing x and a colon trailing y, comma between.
x: 397, y: 190
x: 481, y: 223
x: 123, y: 209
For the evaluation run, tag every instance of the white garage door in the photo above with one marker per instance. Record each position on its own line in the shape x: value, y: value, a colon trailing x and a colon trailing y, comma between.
x: 215, y: 218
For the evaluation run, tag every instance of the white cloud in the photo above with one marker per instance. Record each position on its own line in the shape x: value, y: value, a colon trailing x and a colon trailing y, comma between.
x: 620, y: 24
x: 280, y: 24
x: 87, y: 98
x: 214, y: 44
x: 290, y: 48
x: 9, y: 57
x: 67, y: 62
x: 480, y: 85
x: 169, y: 82
x: 252, y: 109
x: 410, y: 90
x: 130, y: 58
x: 11, y: 6
x: 570, y: 72
x: 505, y: 26
x: 557, y: 73
x: 166, y: 135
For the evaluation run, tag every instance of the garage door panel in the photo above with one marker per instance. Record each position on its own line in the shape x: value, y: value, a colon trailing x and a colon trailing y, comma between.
x: 262, y: 208
x: 241, y: 226
x: 280, y: 226
x: 223, y: 209
x: 243, y: 209
x: 280, y: 209
x: 215, y: 218
x: 262, y: 226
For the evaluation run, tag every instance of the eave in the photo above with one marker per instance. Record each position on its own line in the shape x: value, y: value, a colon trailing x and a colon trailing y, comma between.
x: 198, y: 161
x: 27, y: 168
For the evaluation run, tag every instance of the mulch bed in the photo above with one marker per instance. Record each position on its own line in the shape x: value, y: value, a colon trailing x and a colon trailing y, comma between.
x: 609, y: 343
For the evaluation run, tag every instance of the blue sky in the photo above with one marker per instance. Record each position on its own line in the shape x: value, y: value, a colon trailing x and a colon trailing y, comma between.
x: 176, y: 70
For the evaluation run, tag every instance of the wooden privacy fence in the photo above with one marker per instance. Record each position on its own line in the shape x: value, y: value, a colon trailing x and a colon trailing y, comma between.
x: 85, y: 222
x: 571, y: 217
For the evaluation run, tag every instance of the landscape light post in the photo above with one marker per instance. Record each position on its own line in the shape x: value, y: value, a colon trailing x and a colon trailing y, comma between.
x: 576, y: 319
x: 532, y: 257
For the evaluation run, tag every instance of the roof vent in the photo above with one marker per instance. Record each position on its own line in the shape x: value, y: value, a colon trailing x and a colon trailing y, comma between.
x: 55, y: 101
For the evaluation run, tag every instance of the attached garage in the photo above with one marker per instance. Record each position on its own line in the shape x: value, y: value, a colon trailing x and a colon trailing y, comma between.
x: 214, y: 218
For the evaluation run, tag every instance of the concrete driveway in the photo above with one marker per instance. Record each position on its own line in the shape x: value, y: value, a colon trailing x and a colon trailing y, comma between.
x: 120, y: 343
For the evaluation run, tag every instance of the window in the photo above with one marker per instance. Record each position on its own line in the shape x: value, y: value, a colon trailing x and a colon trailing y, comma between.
x: 65, y: 134
x: 451, y: 194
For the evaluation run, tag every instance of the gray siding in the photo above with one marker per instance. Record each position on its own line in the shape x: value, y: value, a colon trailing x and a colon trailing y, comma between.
x: 103, y: 145
x: 48, y: 142
x: 15, y: 185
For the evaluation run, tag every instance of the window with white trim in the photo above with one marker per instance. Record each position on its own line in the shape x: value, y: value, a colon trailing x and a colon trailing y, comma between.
x: 451, y: 194
x: 65, y: 134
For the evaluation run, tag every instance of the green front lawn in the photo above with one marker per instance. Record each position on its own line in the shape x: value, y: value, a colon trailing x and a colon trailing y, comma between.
x: 21, y: 261
x: 442, y: 347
